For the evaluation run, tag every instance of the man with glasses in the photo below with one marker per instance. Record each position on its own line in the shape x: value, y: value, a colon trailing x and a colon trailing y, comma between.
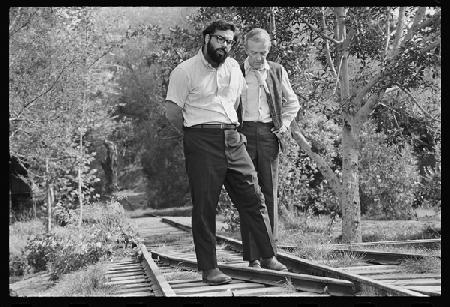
x: 202, y: 97
x: 268, y: 107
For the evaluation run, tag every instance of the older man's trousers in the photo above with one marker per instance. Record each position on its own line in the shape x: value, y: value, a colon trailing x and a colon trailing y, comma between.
x: 216, y: 157
x: 263, y: 148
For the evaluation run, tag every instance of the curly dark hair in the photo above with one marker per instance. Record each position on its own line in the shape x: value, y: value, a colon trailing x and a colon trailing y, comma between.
x: 220, y: 25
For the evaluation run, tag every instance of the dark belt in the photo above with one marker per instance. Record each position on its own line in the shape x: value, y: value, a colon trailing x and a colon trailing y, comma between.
x: 251, y: 123
x: 216, y: 126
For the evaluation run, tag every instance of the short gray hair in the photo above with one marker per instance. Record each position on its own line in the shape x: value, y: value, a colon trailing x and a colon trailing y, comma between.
x: 258, y: 35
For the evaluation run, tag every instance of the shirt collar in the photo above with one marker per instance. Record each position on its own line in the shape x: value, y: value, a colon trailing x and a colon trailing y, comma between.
x: 247, y: 66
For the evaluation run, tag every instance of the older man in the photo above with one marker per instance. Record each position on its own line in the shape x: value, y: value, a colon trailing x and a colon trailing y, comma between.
x: 201, y: 99
x: 268, y: 107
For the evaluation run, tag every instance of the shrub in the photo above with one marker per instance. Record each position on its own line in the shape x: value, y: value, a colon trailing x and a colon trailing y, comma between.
x: 429, y: 192
x: 89, y: 282
x: 70, y: 248
x: 17, y: 265
x: 63, y: 216
x: 229, y: 211
x: 76, y: 255
x: 301, y: 185
x: 388, y: 176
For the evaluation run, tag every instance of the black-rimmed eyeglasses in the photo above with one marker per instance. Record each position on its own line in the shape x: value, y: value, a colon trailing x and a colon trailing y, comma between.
x: 222, y: 39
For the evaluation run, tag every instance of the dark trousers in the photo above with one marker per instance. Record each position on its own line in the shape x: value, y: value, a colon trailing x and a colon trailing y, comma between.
x: 216, y: 157
x: 263, y: 148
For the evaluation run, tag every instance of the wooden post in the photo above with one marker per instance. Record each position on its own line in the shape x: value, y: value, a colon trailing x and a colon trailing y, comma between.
x: 50, y: 200
x: 10, y: 206
x: 49, y: 203
x: 109, y: 166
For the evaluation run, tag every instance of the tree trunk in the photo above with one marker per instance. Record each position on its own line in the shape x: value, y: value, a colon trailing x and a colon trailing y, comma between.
x: 109, y: 166
x: 49, y: 203
x: 350, y: 202
x: 272, y: 26
x: 10, y: 206
x: 80, y: 182
x: 50, y: 200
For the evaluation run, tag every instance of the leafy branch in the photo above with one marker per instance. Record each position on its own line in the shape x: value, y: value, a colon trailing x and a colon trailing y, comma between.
x: 29, y: 103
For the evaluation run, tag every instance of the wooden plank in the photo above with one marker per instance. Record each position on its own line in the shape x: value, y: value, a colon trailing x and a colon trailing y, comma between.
x: 117, y: 268
x: 181, y: 281
x: 210, y: 294
x: 125, y: 260
x: 299, y: 265
x: 378, y: 256
x: 132, y: 286
x: 140, y: 293
x: 136, y: 289
x: 124, y: 266
x: 129, y: 278
x: 415, y: 282
x: 131, y: 271
x: 124, y: 274
x: 373, y: 272
x: 259, y: 291
x: 300, y: 281
x: 368, y: 267
x: 296, y: 294
x: 121, y: 282
x: 428, y: 290
x: 197, y: 284
x: 207, y: 288
x: 407, y: 276
x: 422, y: 242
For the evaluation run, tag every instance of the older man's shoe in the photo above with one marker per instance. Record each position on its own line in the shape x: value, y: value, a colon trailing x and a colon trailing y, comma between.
x: 215, y: 277
x: 254, y: 264
x: 272, y: 264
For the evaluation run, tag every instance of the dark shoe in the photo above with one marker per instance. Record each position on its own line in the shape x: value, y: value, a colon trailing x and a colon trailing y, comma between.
x: 254, y: 264
x: 273, y: 264
x: 215, y: 277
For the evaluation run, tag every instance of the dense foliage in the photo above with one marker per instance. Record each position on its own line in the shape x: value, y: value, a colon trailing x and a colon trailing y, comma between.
x: 68, y: 248
x: 79, y: 76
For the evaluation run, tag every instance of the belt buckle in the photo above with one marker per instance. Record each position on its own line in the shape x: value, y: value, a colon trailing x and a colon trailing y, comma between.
x: 222, y: 126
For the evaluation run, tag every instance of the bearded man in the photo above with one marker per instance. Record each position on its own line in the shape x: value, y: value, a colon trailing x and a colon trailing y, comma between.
x: 203, y: 94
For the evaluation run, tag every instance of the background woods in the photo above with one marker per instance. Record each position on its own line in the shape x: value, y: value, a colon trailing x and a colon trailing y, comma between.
x: 87, y: 87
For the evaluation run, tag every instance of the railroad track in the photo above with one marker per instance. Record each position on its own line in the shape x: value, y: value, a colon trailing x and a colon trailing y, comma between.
x: 375, y: 278
x: 168, y: 268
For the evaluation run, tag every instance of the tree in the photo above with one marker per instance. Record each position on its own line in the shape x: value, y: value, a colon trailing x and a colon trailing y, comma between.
x: 366, y: 54
x: 58, y: 91
x: 393, y: 63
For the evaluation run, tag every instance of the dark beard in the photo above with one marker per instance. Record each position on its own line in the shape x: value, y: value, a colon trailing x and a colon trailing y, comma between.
x: 214, y: 55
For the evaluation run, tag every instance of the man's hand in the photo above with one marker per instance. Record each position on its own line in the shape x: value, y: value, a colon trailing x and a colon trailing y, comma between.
x: 280, y: 132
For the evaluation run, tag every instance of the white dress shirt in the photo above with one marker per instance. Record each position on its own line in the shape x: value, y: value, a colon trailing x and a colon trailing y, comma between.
x: 206, y: 94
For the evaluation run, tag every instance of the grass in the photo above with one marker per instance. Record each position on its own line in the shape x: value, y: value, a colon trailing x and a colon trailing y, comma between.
x: 179, y: 273
x: 165, y: 239
x: 88, y: 282
x: 288, y: 286
x: 339, y: 260
x: 20, y: 231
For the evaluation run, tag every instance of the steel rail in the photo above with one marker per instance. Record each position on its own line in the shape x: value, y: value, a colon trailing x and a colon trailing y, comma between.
x: 160, y: 285
x: 303, y: 282
x: 382, y: 257
x: 427, y: 243
x: 298, y: 265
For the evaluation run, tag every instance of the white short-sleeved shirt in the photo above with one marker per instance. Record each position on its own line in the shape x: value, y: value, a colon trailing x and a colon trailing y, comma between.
x: 206, y: 94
